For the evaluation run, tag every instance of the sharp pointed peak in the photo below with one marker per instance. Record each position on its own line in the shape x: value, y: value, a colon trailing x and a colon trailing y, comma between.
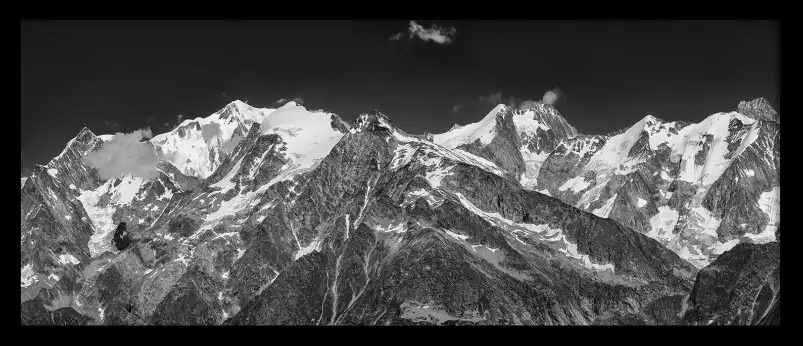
x: 455, y: 127
x: 239, y: 103
x: 85, y: 131
x: 759, y: 109
x: 371, y: 120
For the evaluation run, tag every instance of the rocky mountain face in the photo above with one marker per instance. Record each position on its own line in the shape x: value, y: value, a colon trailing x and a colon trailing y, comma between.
x: 306, y: 221
x: 699, y: 189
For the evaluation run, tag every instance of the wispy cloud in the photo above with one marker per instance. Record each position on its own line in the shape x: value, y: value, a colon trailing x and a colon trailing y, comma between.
x: 456, y: 108
x: 551, y: 96
x: 397, y: 36
x: 435, y: 34
x: 512, y: 101
x: 492, y: 98
x: 112, y: 124
x: 125, y: 154
x: 179, y: 119
x: 282, y: 101
x: 526, y: 104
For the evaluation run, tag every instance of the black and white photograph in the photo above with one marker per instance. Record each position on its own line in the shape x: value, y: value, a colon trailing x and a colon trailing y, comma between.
x: 403, y: 172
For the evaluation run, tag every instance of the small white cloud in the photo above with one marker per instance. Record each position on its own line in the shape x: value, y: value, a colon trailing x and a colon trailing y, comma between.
x: 282, y: 101
x: 125, y: 154
x: 179, y: 119
x: 551, y: 96
x: 397, y: 36
x: 435, y: 33
x: 492, y: 98
x: 511, y: 102
x: 526, y: 104
x: 456, y: 108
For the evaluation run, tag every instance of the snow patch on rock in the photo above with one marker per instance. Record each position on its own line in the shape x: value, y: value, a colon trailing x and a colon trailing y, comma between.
x: 662, y: 224
x: 605, y: 210
x: 27, y: 276
x: 769, y: 202
x: 68, y: 258
x: 576, y: 184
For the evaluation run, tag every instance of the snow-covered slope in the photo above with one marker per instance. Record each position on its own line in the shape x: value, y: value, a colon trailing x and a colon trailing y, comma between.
x: 307, y: 136
x: 482, y: 130
x: 302, y: 220
x: 665, y: 178
x: 661, y: 178
x: 197, y: 146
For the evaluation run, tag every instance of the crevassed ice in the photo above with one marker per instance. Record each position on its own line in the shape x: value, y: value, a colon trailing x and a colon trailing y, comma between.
x: 706, y: 220
x: 101, y: 218
x: 662, y: 224
x: 532, y: 167
x: 127, y: 190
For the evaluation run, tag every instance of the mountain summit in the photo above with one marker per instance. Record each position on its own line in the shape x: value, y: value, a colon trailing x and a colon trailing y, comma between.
x: 759, y: 109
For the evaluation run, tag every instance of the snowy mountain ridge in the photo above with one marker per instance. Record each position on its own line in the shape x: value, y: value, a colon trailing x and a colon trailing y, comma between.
x: 307, y: 221
x: 588, y: 171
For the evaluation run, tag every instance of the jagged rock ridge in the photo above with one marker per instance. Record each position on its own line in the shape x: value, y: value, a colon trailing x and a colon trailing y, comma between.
x: 370, y: 226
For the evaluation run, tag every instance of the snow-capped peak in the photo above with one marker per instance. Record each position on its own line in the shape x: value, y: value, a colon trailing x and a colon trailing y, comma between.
x: 196, y: 146
x: 759, y: 109
x: 549, y: 118
x: 482, y: 130
x: 289, y: 105
x: 308, y: 136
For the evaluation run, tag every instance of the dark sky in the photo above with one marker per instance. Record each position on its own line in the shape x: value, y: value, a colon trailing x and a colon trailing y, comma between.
x: 611, y: 74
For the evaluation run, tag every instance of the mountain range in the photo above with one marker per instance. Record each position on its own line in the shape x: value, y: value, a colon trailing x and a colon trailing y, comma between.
x: 259, y: 216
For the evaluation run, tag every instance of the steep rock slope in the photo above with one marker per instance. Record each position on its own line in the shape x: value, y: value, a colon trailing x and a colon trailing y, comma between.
x: 426, y: 245
x: 697, y: 188
x: 741, y: 287
x: 306, y: 221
